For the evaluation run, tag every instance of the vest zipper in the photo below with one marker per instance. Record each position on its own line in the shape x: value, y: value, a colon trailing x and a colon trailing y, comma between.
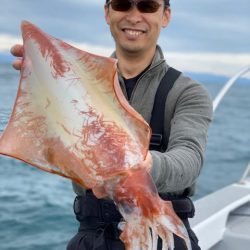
x: 137, y: 82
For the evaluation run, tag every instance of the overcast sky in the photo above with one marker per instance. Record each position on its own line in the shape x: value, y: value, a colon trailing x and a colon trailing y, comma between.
x: 210, y: 36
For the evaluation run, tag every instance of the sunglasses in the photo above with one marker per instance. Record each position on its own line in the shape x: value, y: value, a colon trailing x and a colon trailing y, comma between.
x: 143, y: 6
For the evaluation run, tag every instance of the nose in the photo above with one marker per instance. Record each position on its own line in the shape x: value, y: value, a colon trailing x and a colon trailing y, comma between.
x: 134, y: 15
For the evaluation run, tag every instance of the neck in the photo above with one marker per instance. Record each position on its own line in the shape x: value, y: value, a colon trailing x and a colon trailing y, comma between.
x: 132, y: 64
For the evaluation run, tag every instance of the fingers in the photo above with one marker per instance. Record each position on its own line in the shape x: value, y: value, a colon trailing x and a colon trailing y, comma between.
x: 17, y: 64
x: 148, y: 162
x: 17, y: 51
x: 148, y: 157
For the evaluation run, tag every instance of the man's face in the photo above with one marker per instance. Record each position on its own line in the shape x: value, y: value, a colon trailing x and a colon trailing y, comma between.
x: 134, y: 31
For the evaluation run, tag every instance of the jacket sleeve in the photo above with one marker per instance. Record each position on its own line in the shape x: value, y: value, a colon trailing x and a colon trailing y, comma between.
x: 191, y: 113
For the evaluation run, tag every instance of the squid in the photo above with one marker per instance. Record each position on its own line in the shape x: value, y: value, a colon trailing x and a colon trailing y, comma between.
x: 71, y: 118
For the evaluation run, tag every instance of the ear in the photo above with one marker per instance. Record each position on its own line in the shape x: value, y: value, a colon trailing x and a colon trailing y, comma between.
x: 106, y: 12
x: 166, y: 17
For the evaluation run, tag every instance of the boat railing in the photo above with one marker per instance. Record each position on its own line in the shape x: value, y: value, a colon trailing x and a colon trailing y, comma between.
x: 213, y: 210
x: 228, y: 85
x: 245, y: 179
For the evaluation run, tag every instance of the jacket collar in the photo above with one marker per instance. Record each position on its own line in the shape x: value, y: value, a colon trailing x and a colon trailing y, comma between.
x: 158, y: 57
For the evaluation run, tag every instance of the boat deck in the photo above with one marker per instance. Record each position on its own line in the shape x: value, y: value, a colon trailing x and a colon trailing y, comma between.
x: 222, y: 220
x: 237, y: 233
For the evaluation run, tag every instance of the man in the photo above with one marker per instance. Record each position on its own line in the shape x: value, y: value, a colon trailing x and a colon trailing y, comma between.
x: 177, y: 160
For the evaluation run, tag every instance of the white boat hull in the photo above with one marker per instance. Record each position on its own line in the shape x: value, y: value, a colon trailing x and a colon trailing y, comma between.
x: 222, y: 219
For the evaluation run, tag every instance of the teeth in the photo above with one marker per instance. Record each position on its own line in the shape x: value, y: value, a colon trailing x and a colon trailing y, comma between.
x: 133, y: 32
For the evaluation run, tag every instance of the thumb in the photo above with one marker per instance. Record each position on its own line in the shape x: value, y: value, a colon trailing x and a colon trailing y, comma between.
x: 148, y: 162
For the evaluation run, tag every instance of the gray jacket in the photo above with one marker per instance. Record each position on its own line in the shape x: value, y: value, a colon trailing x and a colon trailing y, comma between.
x: 188, y: 112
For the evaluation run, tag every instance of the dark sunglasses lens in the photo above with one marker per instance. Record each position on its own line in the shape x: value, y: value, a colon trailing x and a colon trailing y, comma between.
x: 148, y: 6
x: 143, y: 6
x: 120, y: 5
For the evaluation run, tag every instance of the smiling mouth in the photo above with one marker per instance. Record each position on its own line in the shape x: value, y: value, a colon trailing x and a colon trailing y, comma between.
x: 132, y: 32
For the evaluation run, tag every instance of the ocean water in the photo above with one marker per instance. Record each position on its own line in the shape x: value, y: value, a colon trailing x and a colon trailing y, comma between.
x: 36, y: 207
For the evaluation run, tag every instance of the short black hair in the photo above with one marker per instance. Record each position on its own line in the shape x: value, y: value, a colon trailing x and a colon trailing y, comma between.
x: 166, y: 2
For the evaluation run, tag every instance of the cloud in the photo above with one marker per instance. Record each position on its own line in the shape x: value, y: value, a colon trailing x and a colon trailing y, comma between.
x: 209, y: 25
x: 6, y: 41
x: 203, y: 26
x: 224, y: 64
x: 84, y: 3
x: 77, y: 20
x: 207, y: 36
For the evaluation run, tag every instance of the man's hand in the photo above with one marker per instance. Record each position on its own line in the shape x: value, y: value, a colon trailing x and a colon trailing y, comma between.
x: 148, y: 162
x: 17, y: 51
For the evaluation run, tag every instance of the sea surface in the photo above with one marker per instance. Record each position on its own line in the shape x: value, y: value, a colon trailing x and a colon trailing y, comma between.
x: 36, y: 207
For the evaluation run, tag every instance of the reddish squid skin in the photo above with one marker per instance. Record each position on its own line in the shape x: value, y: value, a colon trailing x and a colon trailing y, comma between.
x: 71, y: 118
